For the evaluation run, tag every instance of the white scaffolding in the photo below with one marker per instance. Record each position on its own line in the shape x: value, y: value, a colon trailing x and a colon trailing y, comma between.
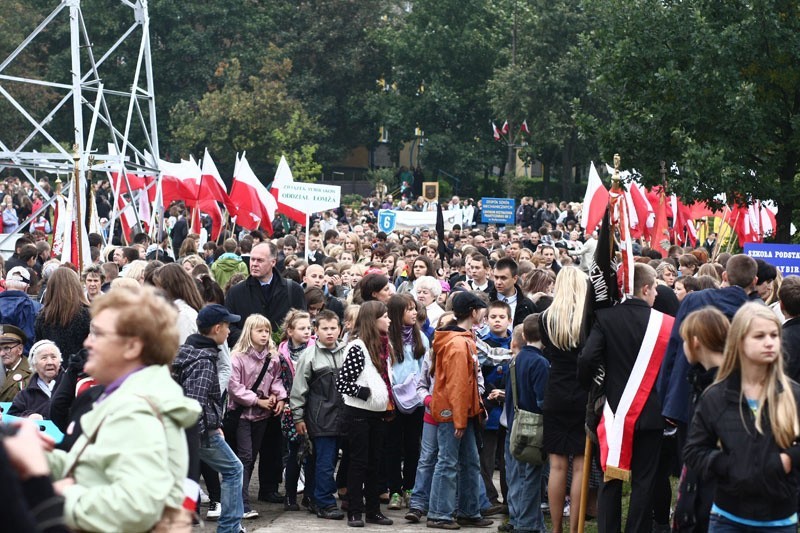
x: 85, y: 89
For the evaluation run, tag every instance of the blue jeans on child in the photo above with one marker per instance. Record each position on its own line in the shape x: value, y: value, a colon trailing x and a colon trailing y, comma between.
x: 524, y: 493
x: 326, y: 453
x: 429, y: 450
x: 457, y: 475
x: 216, y: 453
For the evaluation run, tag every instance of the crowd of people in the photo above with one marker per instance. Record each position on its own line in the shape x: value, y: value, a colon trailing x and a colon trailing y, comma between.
x: 362, y: 370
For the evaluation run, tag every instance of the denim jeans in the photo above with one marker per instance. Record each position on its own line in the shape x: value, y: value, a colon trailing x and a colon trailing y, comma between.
x: 326, y: 452
x: 457, y: 475
x: 720, y: 524
x: 420, y: 498
x: 216, y: 453
x: 524, y: 493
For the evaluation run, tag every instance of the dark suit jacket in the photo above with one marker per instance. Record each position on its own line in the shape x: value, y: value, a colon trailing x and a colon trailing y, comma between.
x: 614, y: 343
x: 791, y: 348
x: 246, y: 298
x: 524, y: 306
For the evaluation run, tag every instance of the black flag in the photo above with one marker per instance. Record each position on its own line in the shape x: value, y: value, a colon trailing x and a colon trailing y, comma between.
x: 444, y: 251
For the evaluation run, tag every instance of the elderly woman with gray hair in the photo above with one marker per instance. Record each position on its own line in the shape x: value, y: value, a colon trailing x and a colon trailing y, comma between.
x: 427, y: 290
x: 34, y: 400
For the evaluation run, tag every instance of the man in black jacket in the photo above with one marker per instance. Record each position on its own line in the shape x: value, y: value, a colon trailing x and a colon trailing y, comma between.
x: 507, y: 290
x: 264, y: 292
x: 628, y: 341
x: 789, y: 296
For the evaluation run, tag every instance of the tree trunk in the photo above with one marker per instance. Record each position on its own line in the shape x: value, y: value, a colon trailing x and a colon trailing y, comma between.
x: 567, y: 162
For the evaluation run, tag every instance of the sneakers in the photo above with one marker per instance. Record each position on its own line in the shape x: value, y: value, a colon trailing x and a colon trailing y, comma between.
x: 384, y: 497
x: 354, y: 520
x: 214, y: 509
x: 204, y: 497
x: 407, y: 499
x: 379, y: 519
x: 442, y: 524
x: 414, y: 516
x: 505, y: 528
x: 271, y: 497
x: 566, y: 509
x: 395, y: 502
x: 330, y: 513
x: 248, y: 515
x: 474, y: 522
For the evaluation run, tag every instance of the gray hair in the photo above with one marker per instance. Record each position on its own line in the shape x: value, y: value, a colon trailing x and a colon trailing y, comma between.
x: 37, y: 348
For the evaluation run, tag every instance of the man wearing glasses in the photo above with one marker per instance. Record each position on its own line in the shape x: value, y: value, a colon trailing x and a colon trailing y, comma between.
x: 16, y: 369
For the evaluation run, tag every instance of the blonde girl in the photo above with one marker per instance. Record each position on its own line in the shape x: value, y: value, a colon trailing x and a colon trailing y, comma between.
x: 744, y: 431
x: 350, y: 315
x: 563, y: 326
x: 251, y: 353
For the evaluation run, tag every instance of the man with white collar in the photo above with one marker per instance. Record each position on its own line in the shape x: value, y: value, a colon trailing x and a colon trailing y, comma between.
x: 478, y: 270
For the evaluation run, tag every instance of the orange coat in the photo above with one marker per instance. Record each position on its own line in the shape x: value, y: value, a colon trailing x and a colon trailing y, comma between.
x: 455, y: 392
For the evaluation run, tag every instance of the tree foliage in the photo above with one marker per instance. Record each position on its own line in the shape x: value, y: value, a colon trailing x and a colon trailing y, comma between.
x: 712, y: 87
x: 252, y: 114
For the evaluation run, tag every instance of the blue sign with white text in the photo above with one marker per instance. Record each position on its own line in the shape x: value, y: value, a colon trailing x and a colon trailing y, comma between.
x: 497, y: 210
x: 784, y: 257
x: 387, y: 220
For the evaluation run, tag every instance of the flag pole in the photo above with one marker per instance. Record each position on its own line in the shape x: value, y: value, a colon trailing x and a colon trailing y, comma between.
x: 78, y: 217
x: 308, y: 233
x: 587, y: 472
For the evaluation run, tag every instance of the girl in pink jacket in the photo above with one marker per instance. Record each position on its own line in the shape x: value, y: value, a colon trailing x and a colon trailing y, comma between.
x: 254, y: 350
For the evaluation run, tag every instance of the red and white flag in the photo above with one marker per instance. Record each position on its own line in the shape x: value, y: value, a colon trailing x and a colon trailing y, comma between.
x: 75, y: 237
x: 284, y: 176
x: 255, y: 207
x: 495, y: 132
x: 615, y: 431
x: 504, y: 129
x: 524, y: 127
x: 211, y: 184
x: 179, y: 182
x: 595, y: 201
x: 644, y: 211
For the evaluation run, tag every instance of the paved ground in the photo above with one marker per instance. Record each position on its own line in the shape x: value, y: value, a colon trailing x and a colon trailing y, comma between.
x: 274, y: 518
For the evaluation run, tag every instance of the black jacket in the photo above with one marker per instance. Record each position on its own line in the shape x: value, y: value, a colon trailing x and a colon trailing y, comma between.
x: 723, y: 445
x: 32, y: 399
x: 791, y: 348
x: 524, y: 306
x: 195, y: 370
x: 614, y: 343
x: 246, y: 298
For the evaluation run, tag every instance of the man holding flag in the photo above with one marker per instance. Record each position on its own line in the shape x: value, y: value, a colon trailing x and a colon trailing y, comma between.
x: 629, y: 341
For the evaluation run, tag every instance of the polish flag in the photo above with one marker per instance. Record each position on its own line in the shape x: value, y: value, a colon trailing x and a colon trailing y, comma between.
x: 127, y: 217
x: 179, y: 181
x: 495, y: 132
x: 659, y: 236
x: 283, y: 176
x: 594, y: 202
x: 211, y: 184
x: 504, y: 129
x: 255, y: 207
x: 524, y: 127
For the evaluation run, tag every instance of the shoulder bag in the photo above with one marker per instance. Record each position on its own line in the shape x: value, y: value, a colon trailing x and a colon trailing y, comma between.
x: 230, y: 422
x: 525, y: 441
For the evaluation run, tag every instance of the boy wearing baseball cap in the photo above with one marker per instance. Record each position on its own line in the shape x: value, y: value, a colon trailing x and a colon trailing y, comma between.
x: 195, y: 368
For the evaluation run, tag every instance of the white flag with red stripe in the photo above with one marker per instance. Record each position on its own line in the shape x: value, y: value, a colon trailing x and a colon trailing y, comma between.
x: 284, y: 176
x: 594, y: 202
x: 615, y: 431
x: 255, y: 207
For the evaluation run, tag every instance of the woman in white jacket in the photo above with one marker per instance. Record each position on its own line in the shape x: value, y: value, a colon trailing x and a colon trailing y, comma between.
x: 364, y: 382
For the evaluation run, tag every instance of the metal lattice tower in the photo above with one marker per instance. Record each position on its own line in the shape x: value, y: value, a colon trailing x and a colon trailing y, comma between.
x: 84, y: 88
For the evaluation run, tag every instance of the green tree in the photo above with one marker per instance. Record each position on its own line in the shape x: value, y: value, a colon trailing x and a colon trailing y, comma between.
x: 546, y: 82
x: 443, y: 53
x: 713, y: 87
x: 253, y: 114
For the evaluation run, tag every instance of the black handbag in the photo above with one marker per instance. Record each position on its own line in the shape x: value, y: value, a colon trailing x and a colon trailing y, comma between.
x: 230, y: 421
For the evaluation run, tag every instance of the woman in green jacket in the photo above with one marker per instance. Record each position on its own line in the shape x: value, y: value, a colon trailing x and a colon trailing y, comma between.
x: 127, y: 471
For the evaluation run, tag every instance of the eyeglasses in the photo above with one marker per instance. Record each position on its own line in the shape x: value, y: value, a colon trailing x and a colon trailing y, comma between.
x: 8, y: 347
x: 99, y: 334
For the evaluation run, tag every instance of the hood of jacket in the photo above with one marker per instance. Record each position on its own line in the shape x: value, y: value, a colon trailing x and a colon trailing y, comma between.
x: 228, y: 264
x: 195, y: 348
x: 448, y: 335
x: 155, y: 382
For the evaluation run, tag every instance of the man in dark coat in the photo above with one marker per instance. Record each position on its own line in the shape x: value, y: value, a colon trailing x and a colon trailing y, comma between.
x: 264, y: 292
x: 789, y: 296
x: 673, y: 387
x: 624, y: 338
x: 507, y: 290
